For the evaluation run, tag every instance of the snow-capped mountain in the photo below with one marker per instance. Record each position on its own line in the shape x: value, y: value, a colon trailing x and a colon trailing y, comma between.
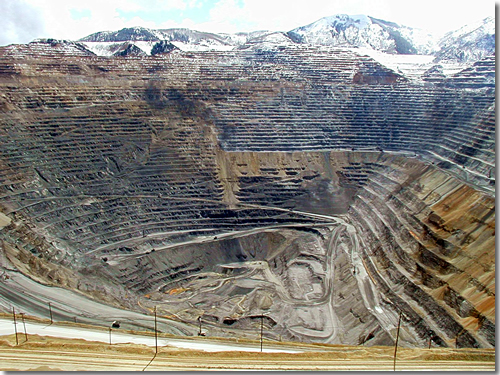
x: 106, y: 43
x: 368, y: 34
x: 339, y: 30
x: 469, y: 43
x: 268, y: 41
x: 135, y: 34
x: 343, y: 30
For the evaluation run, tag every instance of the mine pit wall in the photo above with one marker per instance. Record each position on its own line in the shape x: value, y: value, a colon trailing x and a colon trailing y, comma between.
x: 425, y: 237
x: 110, y: 168
x: 303, y: 181
x: 427, y: 241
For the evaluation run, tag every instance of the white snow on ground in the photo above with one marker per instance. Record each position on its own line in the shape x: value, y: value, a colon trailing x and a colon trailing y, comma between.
x: 117, y: 337
x: 101, y: 48
x: 191, y: 47
x: 145, y: 46
x: 107, y: 49
x: 412, y: 66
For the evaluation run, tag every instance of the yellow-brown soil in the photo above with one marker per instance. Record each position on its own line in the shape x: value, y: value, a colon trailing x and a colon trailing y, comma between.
x: 55, y: 354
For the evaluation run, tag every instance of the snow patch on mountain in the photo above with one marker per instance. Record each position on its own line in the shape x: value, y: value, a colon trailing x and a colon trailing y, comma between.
x: 269, y: 41
x: 107, y: 49
x: 69, y: 46
x: 413, y: 67
x: 124, y: 35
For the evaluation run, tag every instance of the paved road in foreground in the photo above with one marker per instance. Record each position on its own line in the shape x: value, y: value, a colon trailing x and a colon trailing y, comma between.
x: 119, y: 336
x: 52, y: 351
x: 12, y: 359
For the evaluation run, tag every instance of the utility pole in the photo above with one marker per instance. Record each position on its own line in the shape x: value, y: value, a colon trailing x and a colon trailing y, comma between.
x: 50, y: 312
x: 24, y: 325
x: 397, y: 338
x: 199, y: 321
x: 156, y: 335
x: 15, y: 325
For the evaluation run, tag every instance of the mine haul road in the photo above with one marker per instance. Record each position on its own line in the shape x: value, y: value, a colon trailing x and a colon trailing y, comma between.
x: 47, y: 353
x: 29, y: 297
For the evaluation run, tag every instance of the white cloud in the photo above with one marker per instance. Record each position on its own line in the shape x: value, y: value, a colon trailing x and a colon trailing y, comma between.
x: 443, y: 16
x: 284, y: 15
x: 227, y: 16
x: 104, y: 15
x: 60, y: 24
x: 20, y: 22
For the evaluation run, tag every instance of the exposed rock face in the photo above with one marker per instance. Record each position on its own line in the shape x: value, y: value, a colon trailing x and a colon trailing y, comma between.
x: 469, y: 43
x: 314, y: 185
x: 162, y: 47
x: 343, y: 30
x: 128, y: 49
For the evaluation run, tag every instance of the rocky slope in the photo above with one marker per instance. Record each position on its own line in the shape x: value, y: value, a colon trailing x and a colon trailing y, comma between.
x: 364, y: 31
x: 469, y: 43
x: 310, y: 184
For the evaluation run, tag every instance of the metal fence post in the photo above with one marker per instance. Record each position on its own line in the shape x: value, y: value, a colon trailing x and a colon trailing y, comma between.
x: 397, y: 338
x: 50, y: 312
x: 156, y: 334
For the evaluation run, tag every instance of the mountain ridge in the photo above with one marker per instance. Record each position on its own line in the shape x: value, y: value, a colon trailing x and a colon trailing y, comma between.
x: 364, y: 31
x: 471, y: 42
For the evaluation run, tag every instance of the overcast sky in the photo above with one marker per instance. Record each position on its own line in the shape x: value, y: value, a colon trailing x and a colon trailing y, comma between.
x: 25, y: 20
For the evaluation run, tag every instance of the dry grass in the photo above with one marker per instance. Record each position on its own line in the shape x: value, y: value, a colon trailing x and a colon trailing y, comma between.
x: 49, y: 353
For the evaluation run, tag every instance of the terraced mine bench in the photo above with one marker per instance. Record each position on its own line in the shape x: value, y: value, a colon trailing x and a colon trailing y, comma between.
x: 312, y: 184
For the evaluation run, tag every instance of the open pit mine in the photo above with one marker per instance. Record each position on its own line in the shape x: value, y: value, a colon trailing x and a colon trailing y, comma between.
x: 310, y: 189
